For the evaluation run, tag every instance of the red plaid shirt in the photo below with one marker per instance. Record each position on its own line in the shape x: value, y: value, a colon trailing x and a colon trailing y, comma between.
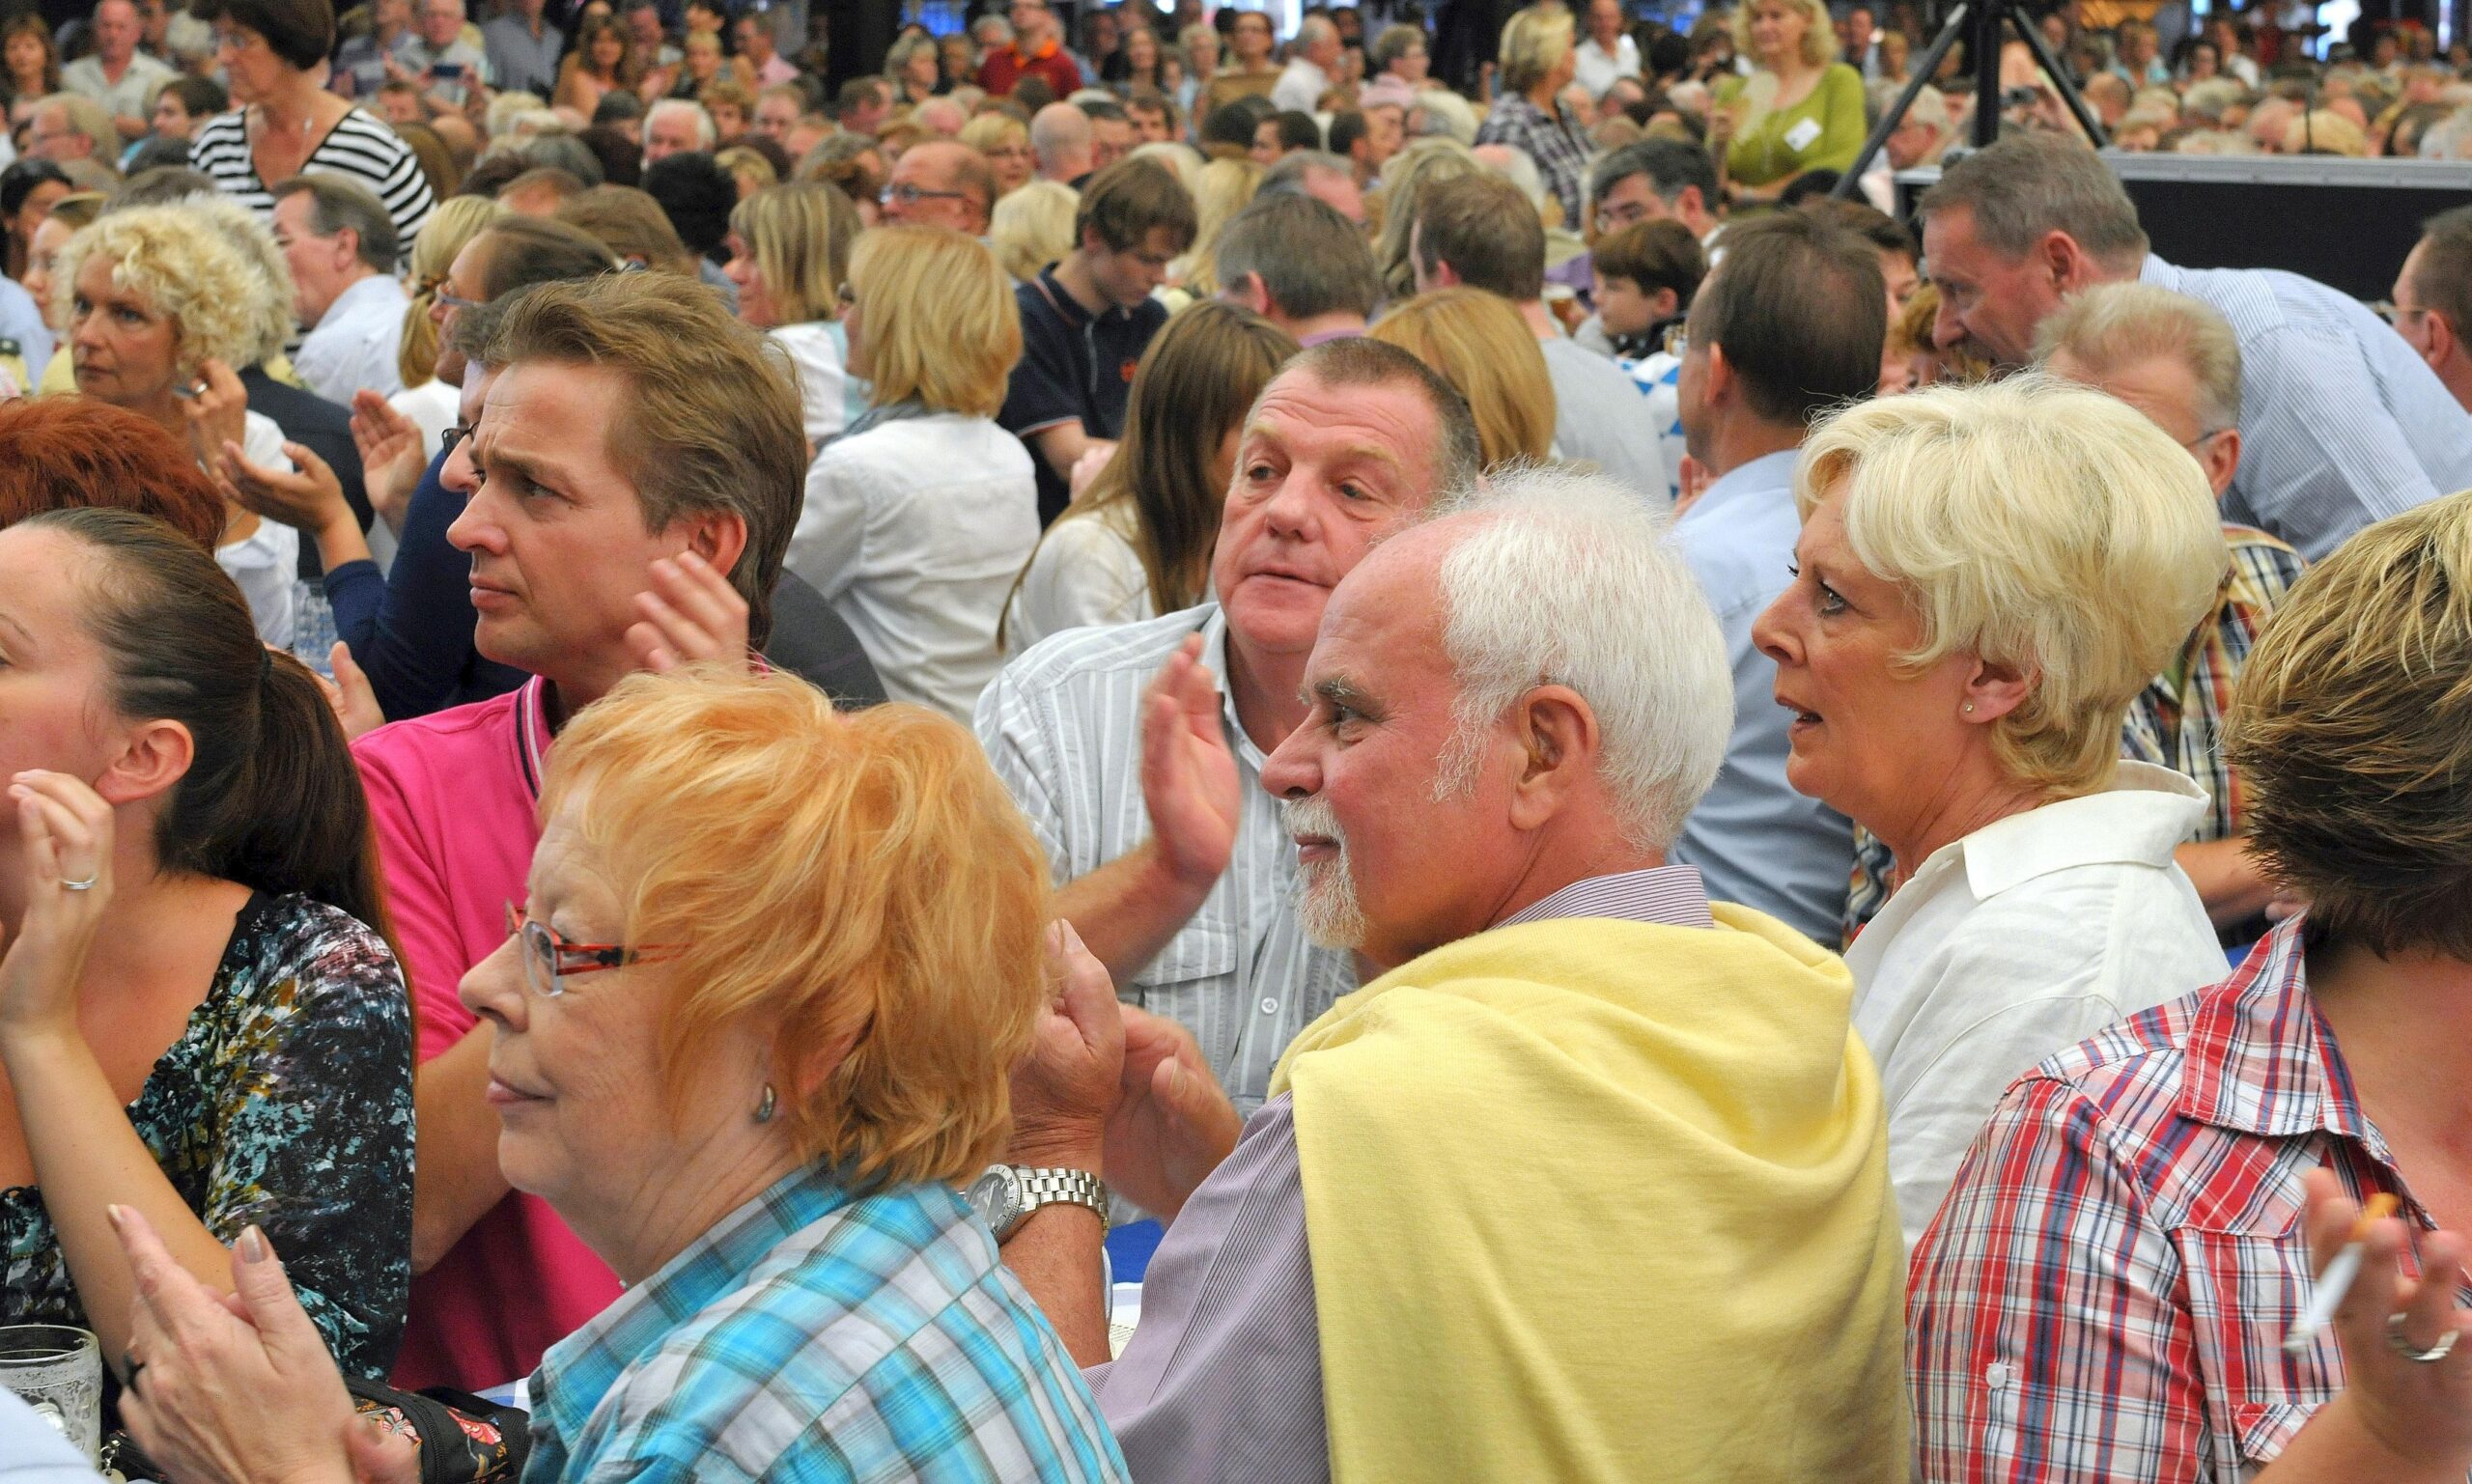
x: 2105, y: 1291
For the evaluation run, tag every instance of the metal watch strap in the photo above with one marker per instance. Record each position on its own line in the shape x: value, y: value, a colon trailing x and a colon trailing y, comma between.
x: 1049, y: 1187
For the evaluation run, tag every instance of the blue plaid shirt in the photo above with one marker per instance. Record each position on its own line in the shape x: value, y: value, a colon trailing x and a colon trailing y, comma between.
x: 813, y: 1337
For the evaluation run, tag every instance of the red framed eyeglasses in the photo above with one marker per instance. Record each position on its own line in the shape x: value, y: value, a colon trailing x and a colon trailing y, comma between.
x: 548, y: 959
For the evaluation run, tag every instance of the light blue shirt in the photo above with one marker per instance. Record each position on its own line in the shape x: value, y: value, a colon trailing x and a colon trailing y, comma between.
x: 21, y: 320
x: 1756, y: 841
x: 2342, y: 424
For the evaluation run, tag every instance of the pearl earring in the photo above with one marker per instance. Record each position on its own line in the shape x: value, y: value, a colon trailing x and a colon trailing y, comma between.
x: 1969, y: 708
x: 764, y: 1109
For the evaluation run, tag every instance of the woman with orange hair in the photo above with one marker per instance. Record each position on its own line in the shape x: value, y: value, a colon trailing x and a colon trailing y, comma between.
x: 817, y: 940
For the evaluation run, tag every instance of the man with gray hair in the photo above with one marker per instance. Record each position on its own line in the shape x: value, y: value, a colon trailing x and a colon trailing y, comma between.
x: 1301, y: 266
x: 1136, y: 768
x: 446, y: 66
x: 1652, y: 178
x: 1309, y: 60
x: 119, y: 76
x: 2178, y: 362
x: 340, y: 244
x: 1566, y: 1032
x: 71, y: 127
x: 2341, y: 424
x: 1327, y: 177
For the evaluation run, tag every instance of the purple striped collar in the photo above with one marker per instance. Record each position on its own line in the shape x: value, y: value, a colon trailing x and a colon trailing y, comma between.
x: 1669, y: 894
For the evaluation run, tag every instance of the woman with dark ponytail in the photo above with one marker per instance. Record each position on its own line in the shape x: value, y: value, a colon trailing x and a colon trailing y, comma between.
x: 201, y: 1017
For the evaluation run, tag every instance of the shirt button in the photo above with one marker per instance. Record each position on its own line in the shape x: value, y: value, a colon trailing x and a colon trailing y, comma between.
x: 1269, y: 1007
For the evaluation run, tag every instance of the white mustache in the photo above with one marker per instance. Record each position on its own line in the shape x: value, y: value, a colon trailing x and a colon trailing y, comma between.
x: 1312, y: 815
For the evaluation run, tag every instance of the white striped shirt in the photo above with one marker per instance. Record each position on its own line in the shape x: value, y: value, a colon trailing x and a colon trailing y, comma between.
x: 360, y: 147
x: 2341, y: 423
x: 1062, y: 725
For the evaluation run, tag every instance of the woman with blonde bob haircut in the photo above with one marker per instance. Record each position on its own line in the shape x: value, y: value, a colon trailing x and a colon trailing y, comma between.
x: 429, y: 403
x: 789, y: 250
x: 818, y: 941
x: 2244, y: 1112
x: 918, y: 518
x: 1465, y: 335
x: 1986, y: 578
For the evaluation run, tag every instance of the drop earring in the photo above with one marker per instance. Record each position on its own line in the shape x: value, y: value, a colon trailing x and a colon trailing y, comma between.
x: 764, y: 1110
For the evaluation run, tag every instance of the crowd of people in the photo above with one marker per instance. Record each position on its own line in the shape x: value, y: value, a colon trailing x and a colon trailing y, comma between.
x: 1677, y: 819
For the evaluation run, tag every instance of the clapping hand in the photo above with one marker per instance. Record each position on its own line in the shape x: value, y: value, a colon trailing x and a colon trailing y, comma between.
x: 1173, y: 1125
x: 350, y: 695
x: 308, y: 498
x: 239, y: 1389
x: 1189, y: 779
x: 1065, y: 1090
x: 691, y: 613
x: 391, y: 461
x: 67, y: 832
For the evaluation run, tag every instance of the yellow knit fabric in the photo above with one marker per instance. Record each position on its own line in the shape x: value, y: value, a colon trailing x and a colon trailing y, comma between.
x: 1593, y: 1199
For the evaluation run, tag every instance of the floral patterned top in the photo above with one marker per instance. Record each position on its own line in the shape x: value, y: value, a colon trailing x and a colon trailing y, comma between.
x: 286, y: 1102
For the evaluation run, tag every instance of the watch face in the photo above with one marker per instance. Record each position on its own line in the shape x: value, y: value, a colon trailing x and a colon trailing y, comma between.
x: 996, y: 1199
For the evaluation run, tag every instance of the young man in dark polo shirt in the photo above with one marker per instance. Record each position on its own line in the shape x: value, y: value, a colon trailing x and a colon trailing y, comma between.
x: 1086, y: 318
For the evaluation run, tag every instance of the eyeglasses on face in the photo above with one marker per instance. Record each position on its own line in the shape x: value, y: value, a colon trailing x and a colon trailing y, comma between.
x: 906, y: 194
x: 548, y: 959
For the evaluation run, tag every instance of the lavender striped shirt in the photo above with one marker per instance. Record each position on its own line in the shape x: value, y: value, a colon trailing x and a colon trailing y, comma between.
x: 1222, y: 1379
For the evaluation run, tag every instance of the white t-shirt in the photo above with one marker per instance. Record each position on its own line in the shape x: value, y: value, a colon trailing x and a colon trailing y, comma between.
x: 267, y: 562
x: 2017, y: 943
x: 817, y: 355
x: 1085, y: 574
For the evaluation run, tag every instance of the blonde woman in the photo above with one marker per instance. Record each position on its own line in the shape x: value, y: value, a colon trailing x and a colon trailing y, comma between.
x: 1469, y: 336
x: 1225, y: 187
x: 751, y: 171
x: 159, y: 315
x: 431, y: 405
x: 1033, y: 227
x: 918, y: 518
x: 789, y: 255
x: 1800, y: 110
x: 1538, y: 61
x: 1005, y: 141
x: 1986, y: 577
x: 1404, y: 176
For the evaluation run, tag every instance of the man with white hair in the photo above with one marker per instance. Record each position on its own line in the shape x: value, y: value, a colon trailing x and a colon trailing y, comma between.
x: 1327, y: 177
x: 1060, y: 138
x: 2340, y: 423
x: 1299, y: 87
x: 68, y: 126
x: 1568, y: 1038
x: 677, y: 125
x: 341, y: 247
x: 118, y: 76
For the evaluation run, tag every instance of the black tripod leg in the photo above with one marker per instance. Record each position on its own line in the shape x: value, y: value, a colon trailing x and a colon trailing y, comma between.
x: 2059, y: 80
x: 1894, y: 115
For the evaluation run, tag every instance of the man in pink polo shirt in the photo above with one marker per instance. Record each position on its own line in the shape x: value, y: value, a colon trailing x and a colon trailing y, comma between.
x: 617, y: 519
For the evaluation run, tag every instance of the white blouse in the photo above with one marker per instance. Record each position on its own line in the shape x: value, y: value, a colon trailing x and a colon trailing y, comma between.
x: 913, y: 531
x: 817, y: 355
x: 2016, y: 943
x: 1085, y: 574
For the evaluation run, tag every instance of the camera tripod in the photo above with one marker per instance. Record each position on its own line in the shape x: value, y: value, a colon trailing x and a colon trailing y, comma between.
x: 1983, y: 18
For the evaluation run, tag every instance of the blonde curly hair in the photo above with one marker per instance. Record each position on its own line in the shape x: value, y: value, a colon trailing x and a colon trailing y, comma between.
x: 224, y: 301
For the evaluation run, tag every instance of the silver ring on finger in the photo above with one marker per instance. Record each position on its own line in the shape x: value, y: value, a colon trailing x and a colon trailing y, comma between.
x: 88, y: 885
x: 2402, y: 1346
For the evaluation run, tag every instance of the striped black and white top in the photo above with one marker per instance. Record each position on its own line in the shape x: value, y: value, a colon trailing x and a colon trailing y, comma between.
x: 361, y: 146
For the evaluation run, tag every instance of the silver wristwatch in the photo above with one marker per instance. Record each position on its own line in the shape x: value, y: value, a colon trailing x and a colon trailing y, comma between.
x: 1007, y: 1194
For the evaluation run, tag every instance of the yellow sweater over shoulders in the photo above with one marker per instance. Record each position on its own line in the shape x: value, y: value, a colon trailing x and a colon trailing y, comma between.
x: 1597, y: 1199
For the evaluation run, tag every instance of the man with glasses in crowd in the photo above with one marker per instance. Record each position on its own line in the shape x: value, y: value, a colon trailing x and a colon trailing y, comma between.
x: 939, y: 183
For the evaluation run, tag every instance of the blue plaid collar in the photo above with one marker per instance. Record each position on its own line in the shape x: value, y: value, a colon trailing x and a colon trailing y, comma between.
x: 579, y: 1371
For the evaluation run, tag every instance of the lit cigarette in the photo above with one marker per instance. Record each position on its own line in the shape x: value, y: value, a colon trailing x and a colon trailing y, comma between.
x: 2337, y: 1280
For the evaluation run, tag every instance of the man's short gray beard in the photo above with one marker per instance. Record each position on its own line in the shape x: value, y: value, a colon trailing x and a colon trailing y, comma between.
x: 1327, y: 902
